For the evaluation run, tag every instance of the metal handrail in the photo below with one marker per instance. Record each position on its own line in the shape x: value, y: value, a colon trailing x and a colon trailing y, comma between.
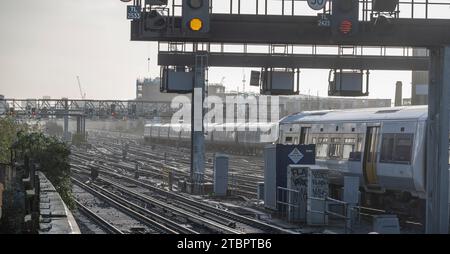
x: 289, y: 49
x: 346, y: 216
x: 405, y: 8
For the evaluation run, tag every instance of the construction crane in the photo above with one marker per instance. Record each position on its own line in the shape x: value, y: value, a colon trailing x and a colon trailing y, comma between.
x: 83, y: 95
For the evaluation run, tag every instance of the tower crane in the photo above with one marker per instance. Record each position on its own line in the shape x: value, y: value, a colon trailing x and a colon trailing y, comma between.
x: 83, y: 95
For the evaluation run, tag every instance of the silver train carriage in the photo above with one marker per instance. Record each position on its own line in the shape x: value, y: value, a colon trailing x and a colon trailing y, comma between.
x: 384, y: 147
x: 240, y: 138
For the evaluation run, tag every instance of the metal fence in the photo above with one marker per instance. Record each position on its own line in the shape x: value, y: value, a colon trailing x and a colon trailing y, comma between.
x: 289, y: 207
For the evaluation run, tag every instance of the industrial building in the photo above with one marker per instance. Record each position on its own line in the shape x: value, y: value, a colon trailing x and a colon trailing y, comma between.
x: 419, y: 86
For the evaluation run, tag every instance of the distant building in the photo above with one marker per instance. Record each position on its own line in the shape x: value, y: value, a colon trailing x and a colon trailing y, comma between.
x: 419, y: 86
x: 148, y: 89
x: 46, y: 97
x: 216, y: 89
x: 406, y: 102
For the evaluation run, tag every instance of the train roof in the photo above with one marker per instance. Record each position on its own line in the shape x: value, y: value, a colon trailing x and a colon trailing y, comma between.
x: 373, y: 114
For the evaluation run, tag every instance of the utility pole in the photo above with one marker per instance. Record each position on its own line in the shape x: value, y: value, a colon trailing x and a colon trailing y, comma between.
x: 66, y: 120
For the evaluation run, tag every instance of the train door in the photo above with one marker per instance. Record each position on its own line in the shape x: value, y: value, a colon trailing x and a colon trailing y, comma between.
x: 370, y: 155
x: 304, y: 135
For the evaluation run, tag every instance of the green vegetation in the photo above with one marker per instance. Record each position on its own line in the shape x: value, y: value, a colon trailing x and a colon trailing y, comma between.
x: 52, y: 128
x: 8, y: 131
x: 50, y: 153
x: 53, y: 157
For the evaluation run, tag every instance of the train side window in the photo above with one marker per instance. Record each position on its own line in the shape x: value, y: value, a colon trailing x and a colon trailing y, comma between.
x: 321, y: 147
x: 387, y: 148
x: 359, y: 143
x: 334, y: 150
x: 396, y: 148
x: 356, y: 155
x: 322, y: 140
x: 403, y: 146
x: 304, y: 135
x: 321, y: 150
x: 349, y: 147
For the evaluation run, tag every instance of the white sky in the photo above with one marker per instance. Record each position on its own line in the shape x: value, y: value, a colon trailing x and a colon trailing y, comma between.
x: 45, y: 44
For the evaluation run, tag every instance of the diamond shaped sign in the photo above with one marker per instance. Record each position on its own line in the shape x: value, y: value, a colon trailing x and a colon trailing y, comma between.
x: 295, y: 156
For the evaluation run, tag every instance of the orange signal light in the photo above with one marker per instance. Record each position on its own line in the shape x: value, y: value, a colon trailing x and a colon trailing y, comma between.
x: 196, y: 24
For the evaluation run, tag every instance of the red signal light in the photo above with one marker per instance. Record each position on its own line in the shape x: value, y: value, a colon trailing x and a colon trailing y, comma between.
x: 346, y: 26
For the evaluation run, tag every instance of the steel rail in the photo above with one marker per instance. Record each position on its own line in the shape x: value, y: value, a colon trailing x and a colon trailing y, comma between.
x: 128, y: 208
x: 105, y: 225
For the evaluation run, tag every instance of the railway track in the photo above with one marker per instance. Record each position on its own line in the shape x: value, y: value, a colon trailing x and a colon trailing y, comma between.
x: 239, y: 174
x: 154, y: 172
x: 105, y: 225
x: 214, y: 223
x: 251, y: 162
x: 264, y: 227
x: 152, y: 220
x: 369, y: 213
x: 217, y: 225
x: 152, y: 168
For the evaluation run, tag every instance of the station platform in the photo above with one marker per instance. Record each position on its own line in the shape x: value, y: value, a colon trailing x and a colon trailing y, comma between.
x: 55, y: 217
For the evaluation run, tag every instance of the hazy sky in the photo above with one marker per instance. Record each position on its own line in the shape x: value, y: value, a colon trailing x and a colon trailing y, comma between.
x: 45, y: 44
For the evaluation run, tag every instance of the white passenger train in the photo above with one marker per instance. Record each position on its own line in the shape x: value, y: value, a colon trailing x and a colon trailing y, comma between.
x: 384, y: 147
x: 242, y: 138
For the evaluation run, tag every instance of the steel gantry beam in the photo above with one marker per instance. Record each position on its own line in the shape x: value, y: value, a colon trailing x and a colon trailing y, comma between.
x: 225, y: 28
x: 89, y: 108
x: 298, y: 61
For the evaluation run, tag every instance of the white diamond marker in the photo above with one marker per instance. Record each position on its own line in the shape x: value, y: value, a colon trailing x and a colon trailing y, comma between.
x: 295, y: 156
